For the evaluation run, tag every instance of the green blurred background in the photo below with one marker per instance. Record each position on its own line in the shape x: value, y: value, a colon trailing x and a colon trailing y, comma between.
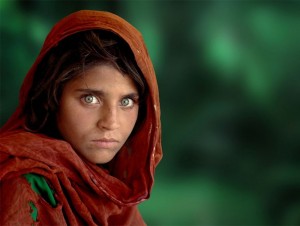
x: 228, y: 73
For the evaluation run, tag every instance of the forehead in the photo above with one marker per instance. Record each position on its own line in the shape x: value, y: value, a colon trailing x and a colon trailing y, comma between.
x: 102, y: 77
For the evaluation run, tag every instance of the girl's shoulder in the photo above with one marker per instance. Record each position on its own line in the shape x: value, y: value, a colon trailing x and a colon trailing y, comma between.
x: 17, y: 198
x: 23, y: 197
x: 40, y: 186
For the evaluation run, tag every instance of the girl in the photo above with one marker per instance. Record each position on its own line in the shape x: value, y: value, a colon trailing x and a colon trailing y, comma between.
x: 83, y: 144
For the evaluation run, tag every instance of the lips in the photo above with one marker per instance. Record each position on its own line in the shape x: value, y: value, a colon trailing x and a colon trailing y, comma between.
x: 105, y: 143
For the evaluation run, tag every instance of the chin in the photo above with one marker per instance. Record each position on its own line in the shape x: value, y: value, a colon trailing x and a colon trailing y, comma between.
x: 100, y: 160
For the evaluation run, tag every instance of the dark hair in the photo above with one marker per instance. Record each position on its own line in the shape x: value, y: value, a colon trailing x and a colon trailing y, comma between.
x: 67, y: 61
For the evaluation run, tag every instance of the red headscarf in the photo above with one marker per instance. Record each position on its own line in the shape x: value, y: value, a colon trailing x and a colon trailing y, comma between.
x: 86, y: 193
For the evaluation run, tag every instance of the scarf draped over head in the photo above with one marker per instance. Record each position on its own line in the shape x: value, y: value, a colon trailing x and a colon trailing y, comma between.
x: 92, y: 192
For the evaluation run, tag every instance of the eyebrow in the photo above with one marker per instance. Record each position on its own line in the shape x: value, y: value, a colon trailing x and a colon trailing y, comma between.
x: 91, y: 91
x: 99, y: 93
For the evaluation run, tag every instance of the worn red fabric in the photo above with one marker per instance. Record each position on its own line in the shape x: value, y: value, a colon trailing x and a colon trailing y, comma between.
x: 86, y: 193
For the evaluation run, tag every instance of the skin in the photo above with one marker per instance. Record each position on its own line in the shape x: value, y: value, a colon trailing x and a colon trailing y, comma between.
x: 98, y: 112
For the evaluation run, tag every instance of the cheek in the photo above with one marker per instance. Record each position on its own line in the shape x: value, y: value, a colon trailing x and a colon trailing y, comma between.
x: 71, y: 119
x: 131, y: 120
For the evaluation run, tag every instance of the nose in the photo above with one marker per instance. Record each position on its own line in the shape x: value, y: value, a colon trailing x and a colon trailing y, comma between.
x: 108, y: 119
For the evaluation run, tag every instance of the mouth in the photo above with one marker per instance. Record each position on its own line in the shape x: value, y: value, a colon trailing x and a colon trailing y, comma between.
x: 105, y: 143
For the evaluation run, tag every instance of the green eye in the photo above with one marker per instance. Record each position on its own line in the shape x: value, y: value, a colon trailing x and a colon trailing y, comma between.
x: 90, y: 99
x: 126, y: 102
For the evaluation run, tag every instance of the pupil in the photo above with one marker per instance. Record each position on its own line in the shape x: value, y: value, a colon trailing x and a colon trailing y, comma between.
x: 89, y: 99
x: 125, y: 102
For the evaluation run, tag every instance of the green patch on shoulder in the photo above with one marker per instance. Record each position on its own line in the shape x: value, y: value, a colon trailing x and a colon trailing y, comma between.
x: 34, y: 211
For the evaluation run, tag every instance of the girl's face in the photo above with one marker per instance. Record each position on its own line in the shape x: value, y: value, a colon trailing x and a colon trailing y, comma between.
x: 97, y: 112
